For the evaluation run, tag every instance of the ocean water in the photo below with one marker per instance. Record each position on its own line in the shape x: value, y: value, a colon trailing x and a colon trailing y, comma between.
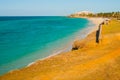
x: 26, y: 39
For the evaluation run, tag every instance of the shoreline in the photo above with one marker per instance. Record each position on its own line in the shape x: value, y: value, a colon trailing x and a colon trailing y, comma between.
x: 95, y: 21
x: 42, y: 53
x: 53, y: 54
x: 90, y: 62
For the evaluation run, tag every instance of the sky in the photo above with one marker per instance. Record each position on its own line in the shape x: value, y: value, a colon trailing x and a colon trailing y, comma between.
x: 55, y: 7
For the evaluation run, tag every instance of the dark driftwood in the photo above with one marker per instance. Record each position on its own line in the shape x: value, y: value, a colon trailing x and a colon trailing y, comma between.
x: 98, y: 33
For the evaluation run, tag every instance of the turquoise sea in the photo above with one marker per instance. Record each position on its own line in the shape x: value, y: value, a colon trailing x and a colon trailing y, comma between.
x: 25, y: 39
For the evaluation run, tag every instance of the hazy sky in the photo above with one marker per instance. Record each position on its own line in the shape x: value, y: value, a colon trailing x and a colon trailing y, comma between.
x: 55, y: 7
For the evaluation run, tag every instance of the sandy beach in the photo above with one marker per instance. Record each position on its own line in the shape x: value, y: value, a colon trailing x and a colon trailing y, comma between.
x: 95, y: 21
x: 92, y: 61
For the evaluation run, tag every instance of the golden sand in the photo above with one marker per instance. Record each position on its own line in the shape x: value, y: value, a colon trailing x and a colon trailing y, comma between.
x: 92, y: 61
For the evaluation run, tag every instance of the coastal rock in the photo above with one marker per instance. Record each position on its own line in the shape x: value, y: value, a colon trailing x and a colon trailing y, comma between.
x: 77, y: 45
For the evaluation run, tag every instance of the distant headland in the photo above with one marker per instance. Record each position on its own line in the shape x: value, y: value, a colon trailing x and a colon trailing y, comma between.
x: 115, y: 15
